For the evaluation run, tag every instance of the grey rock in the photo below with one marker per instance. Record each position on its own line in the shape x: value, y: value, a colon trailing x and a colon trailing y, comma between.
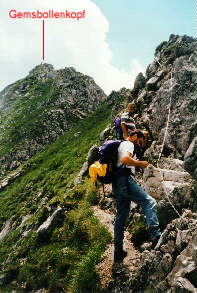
x: 43, y: 201
x: 91, y: 158
x: 182, y: 127
x: 45, y: 229
x: 185, y: 264
x: 14, y: 165
x: 171, y: 164
x: 42, y: 70
x: 166, y: 263
x: 105, y: 133
x: 181, y: 238
x: 25, y: 233
x: 183, y: 285
x: 151, y: 84
x: 190, y: 159
x: 6, y: 229
x: 84, y: 169
x: 159, y: 182
x: 161, y: 268
x: 160, y: 73
x: 24, y: 219
x: 139, y: 83
x: 92, y: 155
x: 152, y: 69
x: 10, y: 178
x: 141, y: 97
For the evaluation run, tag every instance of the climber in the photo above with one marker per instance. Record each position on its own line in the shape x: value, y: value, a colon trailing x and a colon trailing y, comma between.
x: 128, y: 124
x: 128, y: 120
x: 125, y: 190
x: 118, y: 128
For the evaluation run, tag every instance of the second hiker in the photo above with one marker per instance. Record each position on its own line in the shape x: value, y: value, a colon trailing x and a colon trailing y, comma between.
x: 127, y: 120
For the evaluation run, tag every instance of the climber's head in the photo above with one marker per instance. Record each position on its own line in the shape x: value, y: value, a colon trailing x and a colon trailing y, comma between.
x: 131, y: 108
x: 137, y: 137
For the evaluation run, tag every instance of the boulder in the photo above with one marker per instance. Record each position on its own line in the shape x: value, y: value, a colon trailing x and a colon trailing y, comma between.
x: 171, y: 164
x: 190, y: 159
x: 106, y: 133
x: 151, y: 84
x: 158, y: 181
x: 46, y: 228
x: 139, y: 83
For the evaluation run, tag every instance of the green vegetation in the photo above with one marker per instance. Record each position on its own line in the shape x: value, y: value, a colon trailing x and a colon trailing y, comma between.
x: 170, y: 49
x: 139, y: 232
x: 65, y: 261
x: 22, y: 120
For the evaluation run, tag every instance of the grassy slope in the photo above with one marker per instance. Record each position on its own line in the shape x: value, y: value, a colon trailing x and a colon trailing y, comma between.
x: 21, y: 120
x: 66, y: 260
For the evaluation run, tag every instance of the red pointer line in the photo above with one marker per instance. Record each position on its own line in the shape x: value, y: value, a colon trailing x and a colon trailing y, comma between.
x: 43, y: 40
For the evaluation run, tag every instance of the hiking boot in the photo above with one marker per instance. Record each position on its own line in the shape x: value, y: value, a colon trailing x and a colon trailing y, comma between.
x: 154, y: 241
x: 119, y: 255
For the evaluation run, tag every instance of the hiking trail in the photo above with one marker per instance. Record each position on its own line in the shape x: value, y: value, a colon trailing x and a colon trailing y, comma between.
x: 108, y: 271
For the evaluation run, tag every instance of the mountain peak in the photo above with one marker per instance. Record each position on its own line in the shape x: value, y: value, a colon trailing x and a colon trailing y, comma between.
x: 42, y: 70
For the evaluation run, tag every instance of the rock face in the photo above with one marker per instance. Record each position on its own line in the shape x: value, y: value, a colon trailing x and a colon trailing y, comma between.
x: 172, y: 266
x: 171, y: 188
x: 41, y: 107
x: 164, y: 180
x: 171, y: 82
x: 172, y: 75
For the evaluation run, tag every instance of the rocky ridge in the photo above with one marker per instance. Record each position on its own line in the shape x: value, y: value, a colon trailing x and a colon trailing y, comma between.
x: 38, y: 109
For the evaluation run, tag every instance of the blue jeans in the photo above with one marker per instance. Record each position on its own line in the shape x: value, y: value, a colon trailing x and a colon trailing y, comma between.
x: 119, y: 134
x: 126, y: 190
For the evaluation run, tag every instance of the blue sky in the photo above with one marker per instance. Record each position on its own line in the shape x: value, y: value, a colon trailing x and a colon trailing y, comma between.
x: 138, y: 27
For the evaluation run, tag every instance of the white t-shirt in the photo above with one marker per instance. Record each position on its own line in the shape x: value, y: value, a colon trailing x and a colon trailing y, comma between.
x: 126, y: 147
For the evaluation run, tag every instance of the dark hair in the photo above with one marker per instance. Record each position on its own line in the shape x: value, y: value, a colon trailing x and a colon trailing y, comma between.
x: 139, y: 133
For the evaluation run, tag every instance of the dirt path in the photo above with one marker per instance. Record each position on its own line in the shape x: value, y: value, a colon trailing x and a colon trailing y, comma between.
x: 106, y: 268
